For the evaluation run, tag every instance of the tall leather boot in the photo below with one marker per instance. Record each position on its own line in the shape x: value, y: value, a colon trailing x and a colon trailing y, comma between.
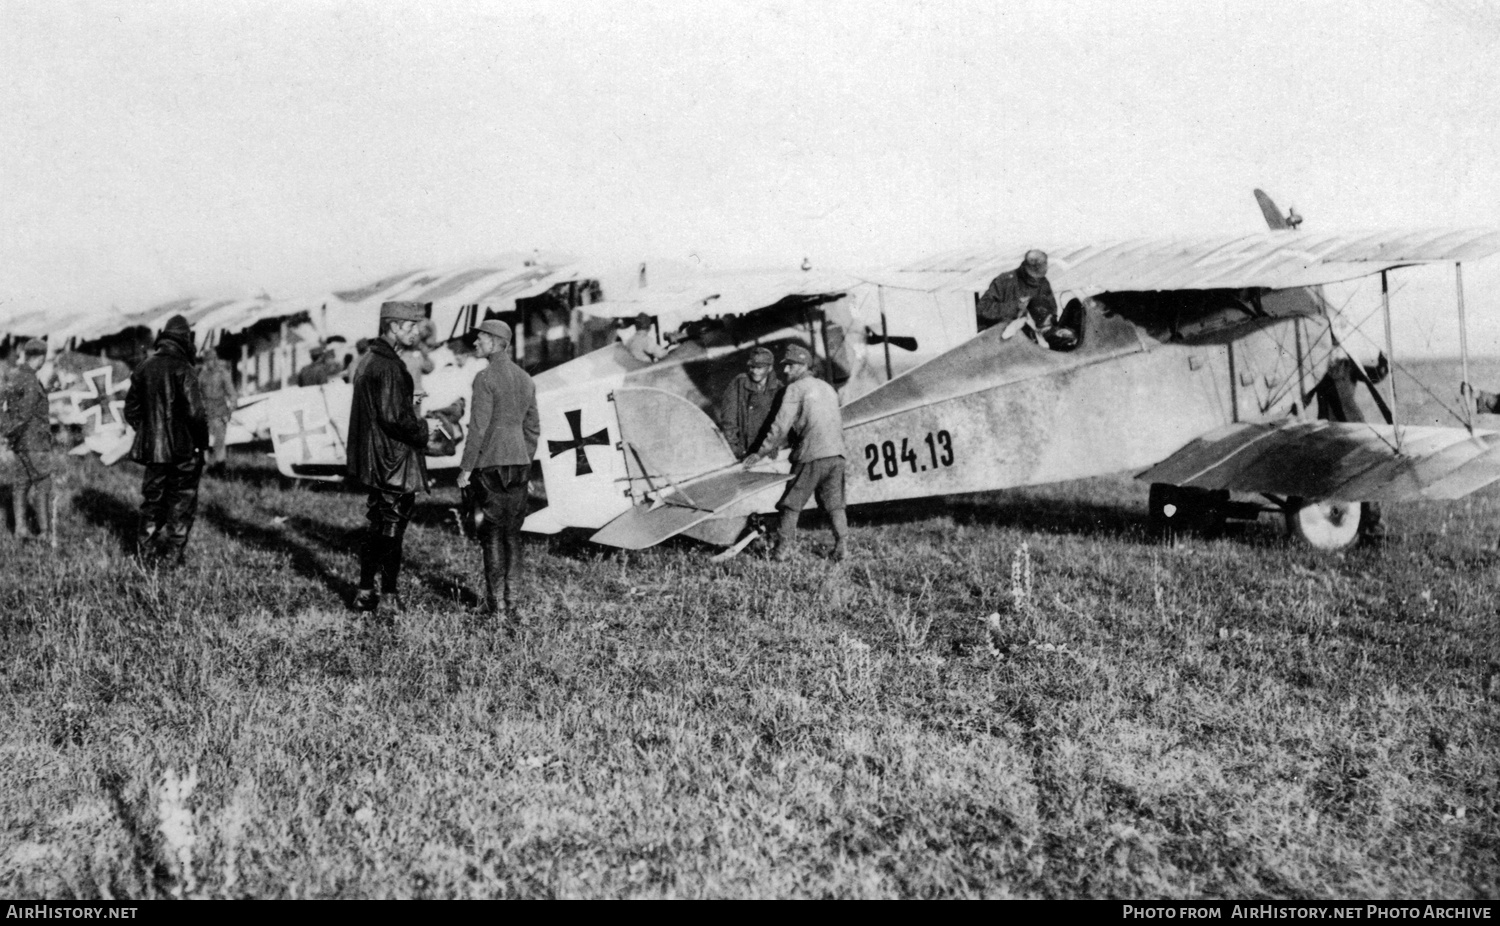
x: 47, y: 512
x: 390, y: 569
x: 494, y: 571
x: 840, y: 522
x: 371, y: 552
x: 513, y: 584
x: 18, y: 510
x: 145, y: 542
x: 786, y: 536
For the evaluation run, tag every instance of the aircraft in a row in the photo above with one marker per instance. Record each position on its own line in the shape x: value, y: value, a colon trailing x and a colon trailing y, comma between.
x: 1194, y: 363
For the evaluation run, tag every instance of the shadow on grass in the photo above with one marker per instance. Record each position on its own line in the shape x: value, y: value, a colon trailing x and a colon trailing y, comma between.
x: 1013, y: 510
x: 439, y: 582
x: 110, y: 512
x: 304, y: 559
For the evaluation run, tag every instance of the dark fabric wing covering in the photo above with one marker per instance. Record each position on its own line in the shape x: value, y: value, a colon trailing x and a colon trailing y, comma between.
x: 1336, y: 461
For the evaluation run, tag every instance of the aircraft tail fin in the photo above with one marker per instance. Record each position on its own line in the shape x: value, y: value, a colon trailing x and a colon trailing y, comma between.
x: 1274, y: 218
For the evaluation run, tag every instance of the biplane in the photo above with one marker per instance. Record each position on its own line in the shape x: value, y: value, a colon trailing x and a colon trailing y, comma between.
x: 1194, y: 365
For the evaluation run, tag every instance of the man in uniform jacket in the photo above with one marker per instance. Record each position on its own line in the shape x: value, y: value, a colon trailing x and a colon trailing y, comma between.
x: 1016, y: 291
x: 219, y: 400
x: 386, y: 440
x: 810, y: 421
x: 26, y: 427
x: 747, y: 404
x: 503, y: 431
x: 165, y: 407
x: 322, y: 368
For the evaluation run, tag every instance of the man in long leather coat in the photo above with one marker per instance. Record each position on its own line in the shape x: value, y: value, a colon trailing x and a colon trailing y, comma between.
x: 386, y: 440
x: 165, y: 406
x: 25, y: 426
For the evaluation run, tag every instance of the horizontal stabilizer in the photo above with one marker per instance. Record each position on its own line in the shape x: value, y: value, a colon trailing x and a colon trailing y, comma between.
x: 1336, y: 461
x: 678, y: 509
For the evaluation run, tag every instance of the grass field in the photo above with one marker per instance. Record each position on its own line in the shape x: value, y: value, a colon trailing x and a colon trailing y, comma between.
x: 1018, y: 694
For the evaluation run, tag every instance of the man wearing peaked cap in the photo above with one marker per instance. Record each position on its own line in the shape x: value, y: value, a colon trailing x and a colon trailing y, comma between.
x: 749, y: 402
x: 1012, y: 293
x: 504, y: 429
x: 165, y: 407
x: 323, y: 367
x: 809, y: 420
x: 386, y: 441
x: 25, y: 425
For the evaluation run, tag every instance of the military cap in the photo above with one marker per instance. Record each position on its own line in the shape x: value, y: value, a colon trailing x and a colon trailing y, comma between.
x: 178, y: 325
x: 796, y: 353
x: 762, y: 357
x: 404, y: 311
x: 495, y: 328
x: 34, y: 346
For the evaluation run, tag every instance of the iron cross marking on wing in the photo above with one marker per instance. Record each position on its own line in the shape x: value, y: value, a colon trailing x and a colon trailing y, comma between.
x: 575, y: 424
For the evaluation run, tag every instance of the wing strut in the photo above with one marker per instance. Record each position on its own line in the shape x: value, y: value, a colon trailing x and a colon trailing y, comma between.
x: 1466, y: 396
x: 1390, y: 349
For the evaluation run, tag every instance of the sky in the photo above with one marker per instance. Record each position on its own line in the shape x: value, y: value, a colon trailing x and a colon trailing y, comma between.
x: 153, y: 150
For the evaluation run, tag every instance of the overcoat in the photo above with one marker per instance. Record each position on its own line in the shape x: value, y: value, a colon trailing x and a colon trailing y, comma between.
x: 165, y: 405
x: 386, y: 438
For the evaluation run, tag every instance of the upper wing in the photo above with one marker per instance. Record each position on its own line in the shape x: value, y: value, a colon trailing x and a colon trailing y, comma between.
x: 1336, y: 461
x: 688, y: 298
x: 1268, y: 260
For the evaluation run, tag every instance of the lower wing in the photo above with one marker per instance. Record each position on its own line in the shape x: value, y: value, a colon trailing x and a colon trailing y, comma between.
x: 1336, y: 461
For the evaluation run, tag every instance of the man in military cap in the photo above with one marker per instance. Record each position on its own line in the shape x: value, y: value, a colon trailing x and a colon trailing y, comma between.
x: 323, y: 369
x: 165, y: 407
x: 503, y: 431
x: 26, y: 428
x: 809, y: 420
x: 219, y: 400
x: 643, y: 344
x: 386, y: 440
x: 1024, y: 289
x: 748, y: 402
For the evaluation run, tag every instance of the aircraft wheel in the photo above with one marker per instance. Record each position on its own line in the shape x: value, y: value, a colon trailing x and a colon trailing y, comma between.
x: 1325, y: 526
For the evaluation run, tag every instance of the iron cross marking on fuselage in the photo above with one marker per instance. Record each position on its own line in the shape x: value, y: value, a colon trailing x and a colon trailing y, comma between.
x: 302, y: 434
x: 575, y: 424
x: 100, y: 400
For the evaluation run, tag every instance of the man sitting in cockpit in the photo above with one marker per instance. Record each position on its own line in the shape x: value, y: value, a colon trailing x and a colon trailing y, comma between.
x: 1012, y: 293
x: 643, y: 344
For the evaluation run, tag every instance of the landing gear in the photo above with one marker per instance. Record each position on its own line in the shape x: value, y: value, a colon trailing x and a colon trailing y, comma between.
x: 1325, y: 526
x: 1180, y: 509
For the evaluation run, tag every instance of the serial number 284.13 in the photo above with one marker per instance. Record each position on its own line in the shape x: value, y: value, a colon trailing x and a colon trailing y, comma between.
x: 883, y: 461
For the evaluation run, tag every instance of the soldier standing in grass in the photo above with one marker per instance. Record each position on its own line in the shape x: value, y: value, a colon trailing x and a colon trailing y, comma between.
x: 219, y: 400
x: 746, y: 405
x: 503, y: 431
x: 809, y: 420
x: 26, y: 426
x: 165, y: 407
x: 386, y: 441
